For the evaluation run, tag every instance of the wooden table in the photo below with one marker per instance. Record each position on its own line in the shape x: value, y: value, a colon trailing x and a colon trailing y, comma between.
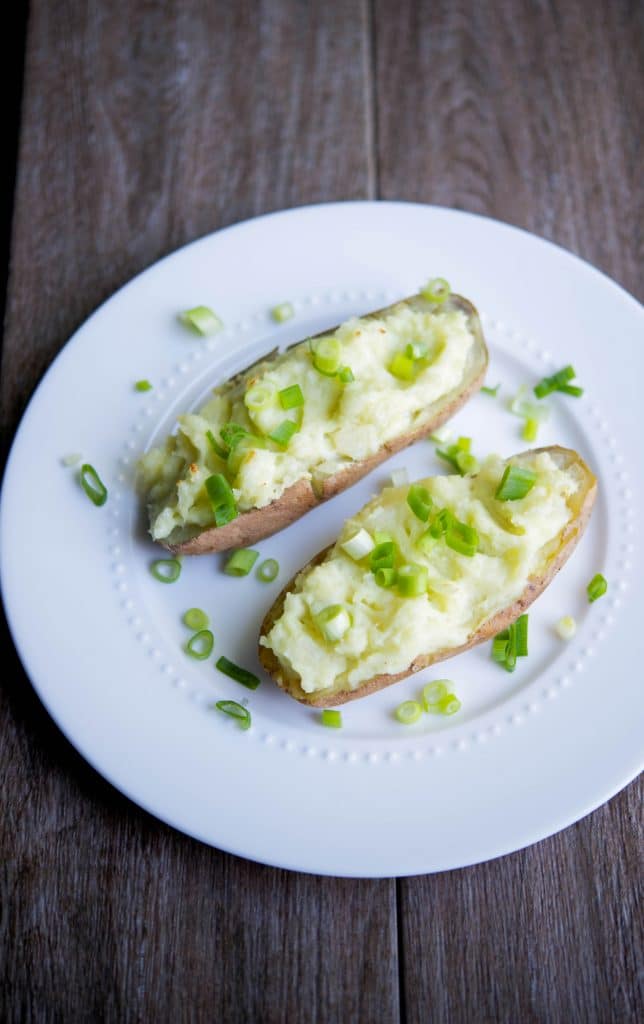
x: 144, y: 125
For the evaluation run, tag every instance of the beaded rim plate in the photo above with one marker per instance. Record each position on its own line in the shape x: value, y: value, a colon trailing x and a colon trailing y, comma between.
x: 102, y: 640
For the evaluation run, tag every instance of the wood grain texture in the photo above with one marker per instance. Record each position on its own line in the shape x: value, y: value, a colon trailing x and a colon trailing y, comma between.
x: 145, y: 125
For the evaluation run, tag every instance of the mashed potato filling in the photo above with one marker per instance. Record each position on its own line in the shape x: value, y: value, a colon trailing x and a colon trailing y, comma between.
x: 516, y: 541
x: 339, y: 423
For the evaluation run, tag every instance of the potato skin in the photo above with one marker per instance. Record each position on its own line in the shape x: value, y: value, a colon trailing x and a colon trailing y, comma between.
x: 536, y: 585
x: 256, y: 524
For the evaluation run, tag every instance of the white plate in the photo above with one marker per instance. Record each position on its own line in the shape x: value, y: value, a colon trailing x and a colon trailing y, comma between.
x: 101, y: 639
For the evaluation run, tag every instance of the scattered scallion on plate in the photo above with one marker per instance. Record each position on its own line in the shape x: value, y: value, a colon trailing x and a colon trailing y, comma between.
x: 433, y: 693
x: 408, y: 712
x: 241, y: 562
x: 511, y: 643
x: 236, y: 711
x: 71, y: 460
x: 282, y: 312
x: 566, y: 627
x: 236, y: 672
x: 166, y: 570
x: 92, y: 484
x: 331, y: 719
x: 268, y: 570
x: 597, y: 587
x: 559, y: 381
x: 196, y: 619
x: 490, y: 391
x: 200, y: 645
x: 202, y: 320
x: 437, y: 290
x: 142, y: 385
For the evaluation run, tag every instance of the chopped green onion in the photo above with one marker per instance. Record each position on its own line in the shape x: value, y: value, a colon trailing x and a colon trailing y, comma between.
x: 231, y: 435
x: 416, y: 350
x: 216, y: 447
x: 437, y: 290
x: 142, y: 385
x: 333, y: 622
x: 92, y: 484
x: 412, y: 580
x: 521, y: 637
x: 241, y: 562
x: 196, y: 619
x: 441, y: 523
x: 327, y: 354
x: 524, y: 406
x: 434, y: 693
x: 385, y: 577
x: 202, y: 320
x: 571, y: 389
x: 556, y: 382
x: 235, y: 710
x: 259, y: 396
x: 530, y: 430
x: 381, y: 537
x: 284, y: 432
x: 402, y: 367
x: 408, y: 712
x: 491, y: 391
x: 221, y: 498
x: 240, y: 675
x: 291, y: 397
x: 462, y: 538
x: 515, y: 483
x: 267, y: 571
x: 399, y: 477
x: 500, y: 647
x: 200, y: 645
x: 284, y: 311
x: 383, y: 556
x: 597, y: 587
x: 459, y: 456
x: 331, y: 719
x: 72, y: 459
x: 345, y: 375
x: 449, y: 705
x: 420, y: 502
x: 359, y: 545
x: 566, y: 627
x: 426, y: 541
x: 166, y: 570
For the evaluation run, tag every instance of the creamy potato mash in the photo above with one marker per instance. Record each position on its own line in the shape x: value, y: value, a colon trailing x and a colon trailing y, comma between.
x: 516, y: 541
x: 338, y: 423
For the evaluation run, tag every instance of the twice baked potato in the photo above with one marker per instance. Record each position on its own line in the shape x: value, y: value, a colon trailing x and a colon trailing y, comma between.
x: 426, y: 571
x: 300, y: 426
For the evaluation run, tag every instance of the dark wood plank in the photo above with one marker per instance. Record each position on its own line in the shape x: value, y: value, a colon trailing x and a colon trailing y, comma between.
x: 532, y: 113
x: 144, y: 126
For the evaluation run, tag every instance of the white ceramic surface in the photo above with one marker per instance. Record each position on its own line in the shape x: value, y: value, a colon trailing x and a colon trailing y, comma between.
x: 101, y: 640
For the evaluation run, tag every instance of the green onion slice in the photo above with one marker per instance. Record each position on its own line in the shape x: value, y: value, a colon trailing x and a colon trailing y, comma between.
x: 521, y: 636
x: 491, y: 391
x: 412, y: 580
x: 566, y: 627
x: 221, y: 498
x: 200, y: 645
x: 597, y: 587
x: 524, y: 406
x: 408, y: 712
x: 500, y: 647
x: 241, y: 562
x: 231, y: 435
x: 240, y: 675
x: 282, y: 312
x: 556, y: 382
x: 459, y: 456
x: 92, y: 484
x: 359, y: 545
x: 462, y: 538
x: 417, y: 350
x: 166, y: 570
x: 267, y: 571
x: 72, y: 459
x: 530, y: 430
x: 291, y: 397
x: 383, y: 556
x: 571, y: 389
x: 142, y: 385
x: 449, y: 705
x: 284, y: 432
x: 196, y: 619
x: 441, y: 523
x: 236, y: 711
x: 385, y: 577
x: 420, y: 502
x: 515, y: 483
x: 345, y: 375
x: 327, y: 355
x: 202, y: 320
x: 216, y: 447
x: 402, y: 367
x: 331, y: 719
x: 258, y: 396
x: 434, y: 693
x: 437, y: 290
x: 333, y: 622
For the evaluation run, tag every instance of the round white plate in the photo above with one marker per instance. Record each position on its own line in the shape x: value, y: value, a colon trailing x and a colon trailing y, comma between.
x: 101, y: 640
